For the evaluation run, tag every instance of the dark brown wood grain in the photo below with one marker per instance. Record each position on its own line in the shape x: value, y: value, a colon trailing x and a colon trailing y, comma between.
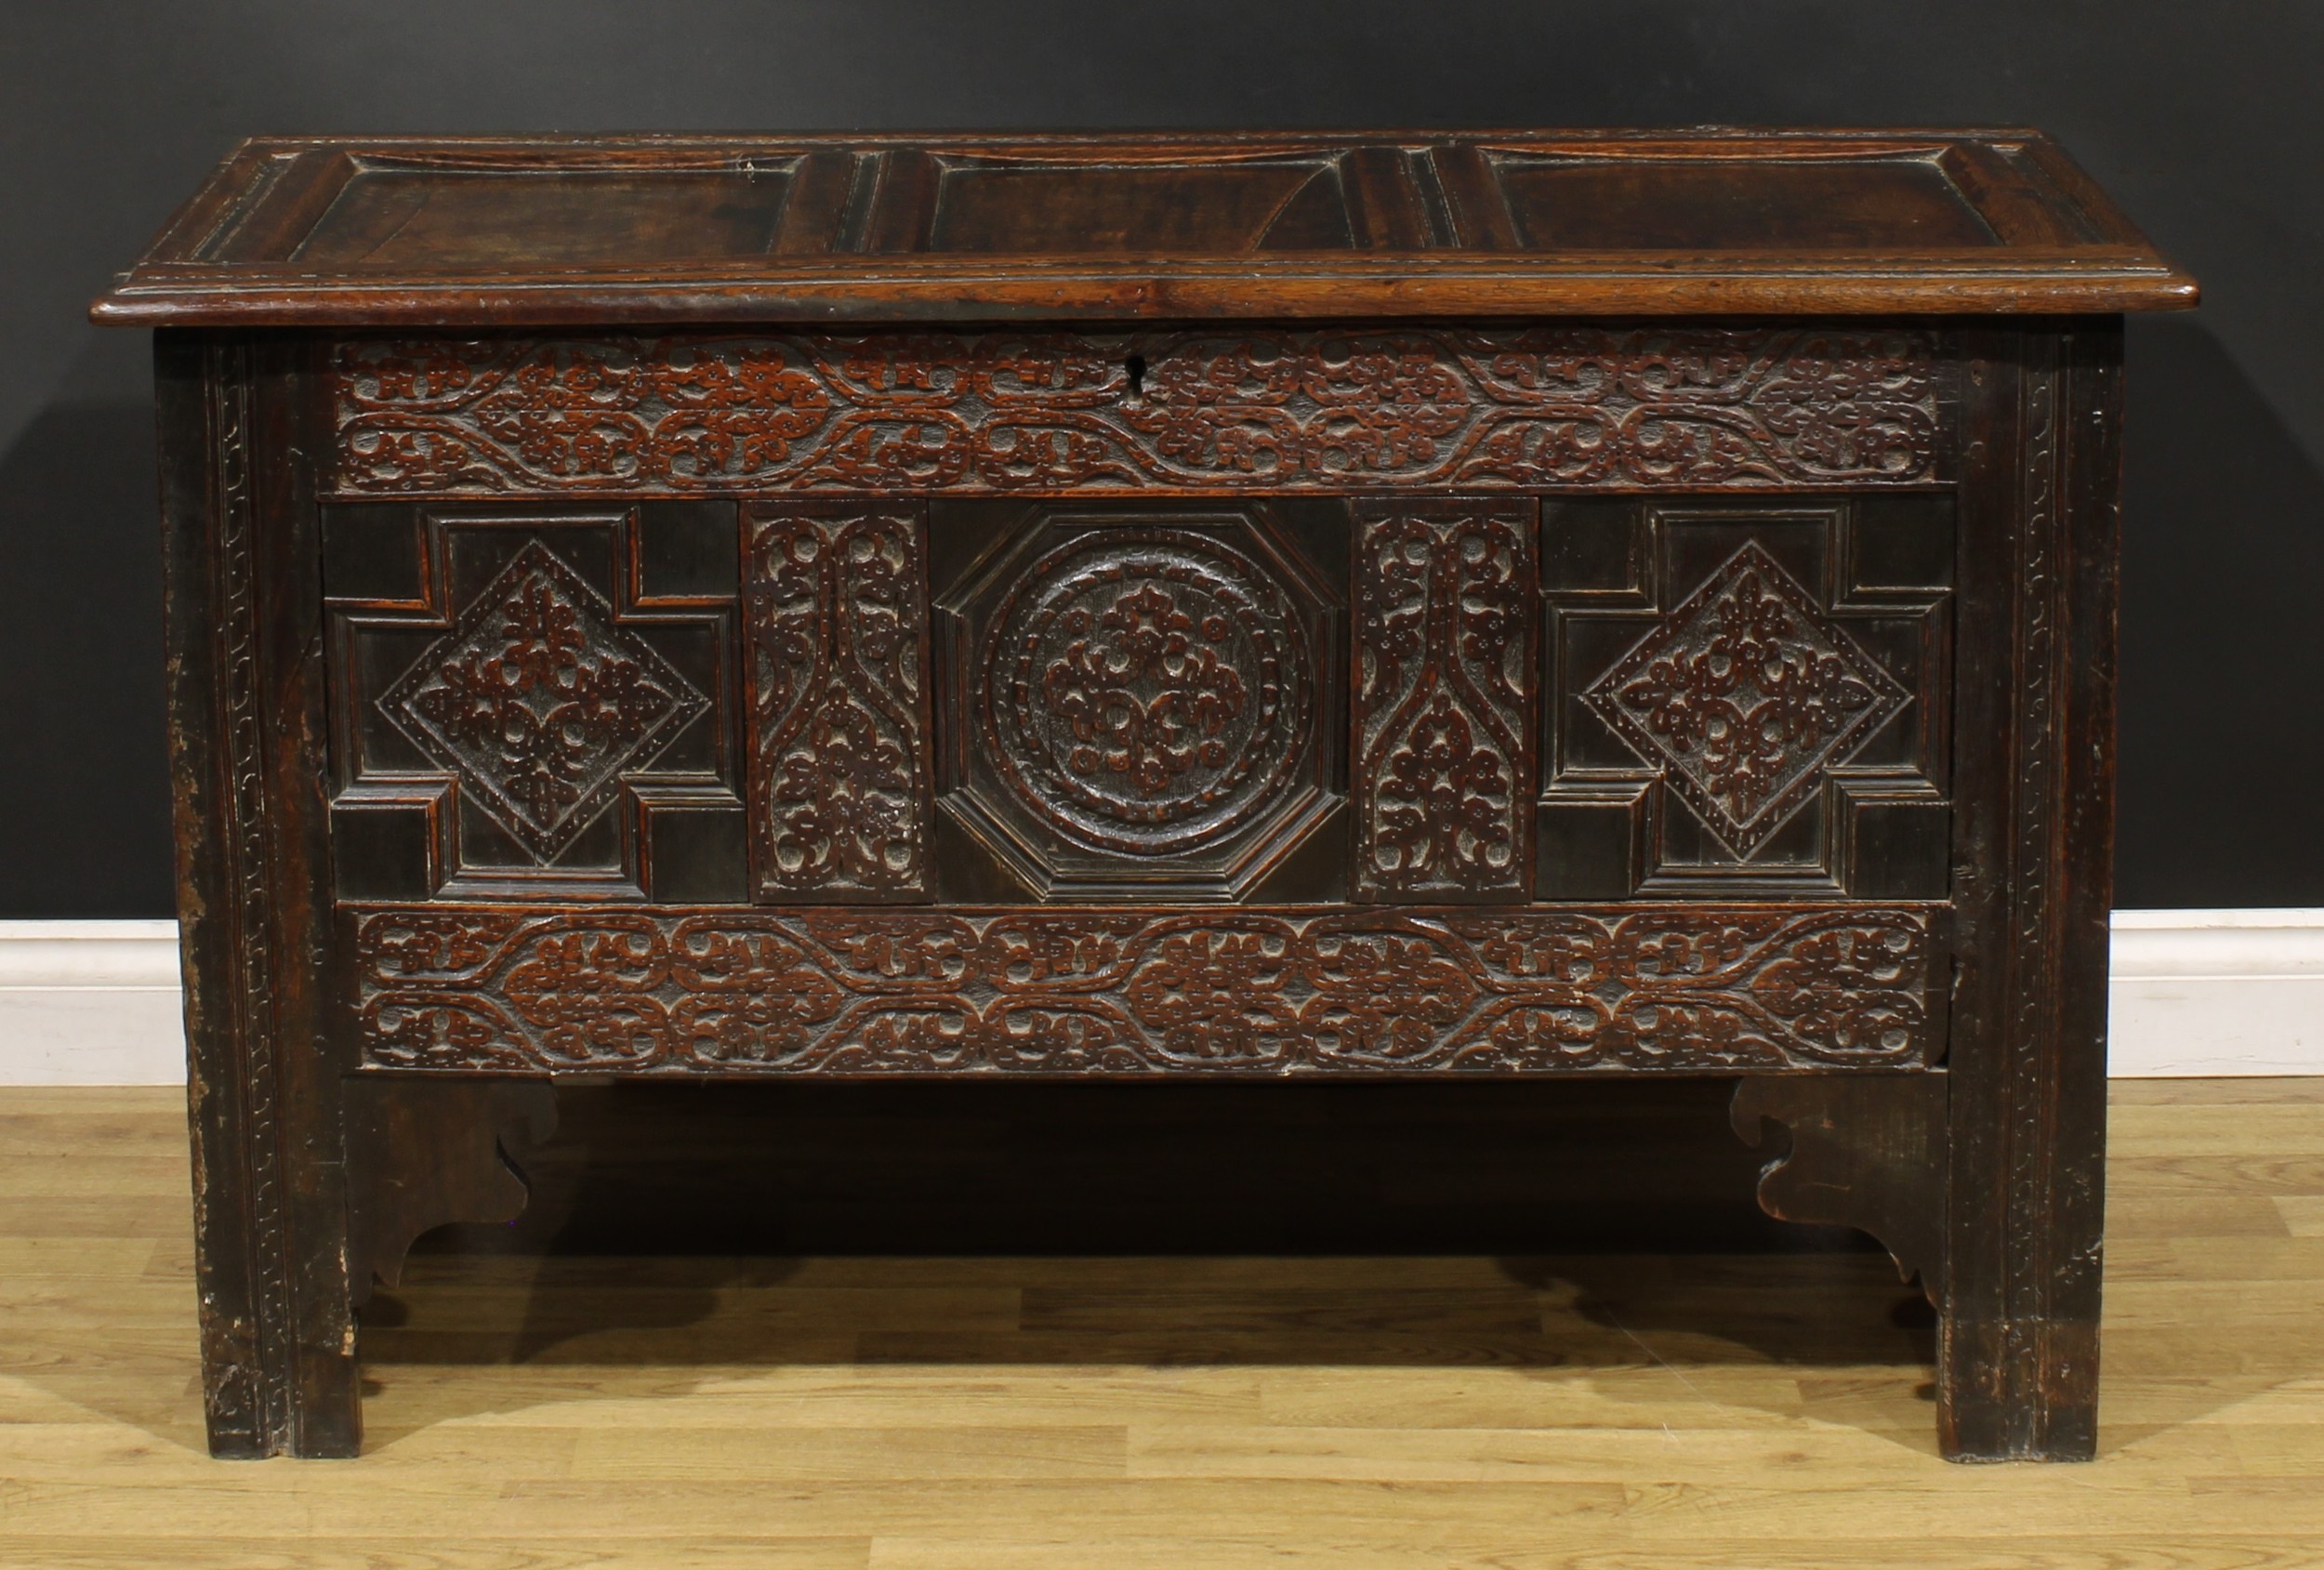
x: 1866, y: 1151
x: 1528, y: 666
x: 423, y: 1153
x: 441, y: 232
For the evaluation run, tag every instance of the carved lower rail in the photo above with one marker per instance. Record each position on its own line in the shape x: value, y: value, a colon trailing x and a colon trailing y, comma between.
x: 730, y: 992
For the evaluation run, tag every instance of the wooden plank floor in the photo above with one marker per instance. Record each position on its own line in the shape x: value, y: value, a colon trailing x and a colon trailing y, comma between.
x: 1617, y: 1413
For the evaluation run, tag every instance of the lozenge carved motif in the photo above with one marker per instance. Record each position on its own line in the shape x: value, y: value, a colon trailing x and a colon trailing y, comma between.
x: 1747, y: 692
x: 537, y: 699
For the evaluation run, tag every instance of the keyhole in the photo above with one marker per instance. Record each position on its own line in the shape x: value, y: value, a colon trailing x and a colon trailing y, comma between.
x: 1136, y: 367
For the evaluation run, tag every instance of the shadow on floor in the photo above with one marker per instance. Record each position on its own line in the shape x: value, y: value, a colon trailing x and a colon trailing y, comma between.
x: 1527, y: 1226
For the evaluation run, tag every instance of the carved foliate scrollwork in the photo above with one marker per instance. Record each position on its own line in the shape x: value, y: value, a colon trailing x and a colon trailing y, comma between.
x: 1263, y: 409
x: 1445, y: 620
x: 1058, y: 991
x: 838, y: 629
x: 1147, y: 689
x: 1746, y: 692
x: 538, y: 700
x: 253, y: 1396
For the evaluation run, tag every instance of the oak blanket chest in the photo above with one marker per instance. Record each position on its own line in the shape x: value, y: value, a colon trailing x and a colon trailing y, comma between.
x: 1392, y: 605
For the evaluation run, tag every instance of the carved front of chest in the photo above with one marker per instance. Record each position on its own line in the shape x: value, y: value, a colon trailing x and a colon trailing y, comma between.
x: 1231, y: 702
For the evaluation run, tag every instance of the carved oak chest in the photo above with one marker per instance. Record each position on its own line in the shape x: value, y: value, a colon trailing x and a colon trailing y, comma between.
x: 1494, y: 605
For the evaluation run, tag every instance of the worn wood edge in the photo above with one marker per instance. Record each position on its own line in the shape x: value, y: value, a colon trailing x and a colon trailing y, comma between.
x: 942, y: 137
x: 1868, y: 1151
x: 242, y: 1390
x: 427, y: 1152
x: 2019, y: 1332
x: 1405, y: 294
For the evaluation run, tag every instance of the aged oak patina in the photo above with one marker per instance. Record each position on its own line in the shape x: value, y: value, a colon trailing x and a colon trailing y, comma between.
x: 1481, y: 604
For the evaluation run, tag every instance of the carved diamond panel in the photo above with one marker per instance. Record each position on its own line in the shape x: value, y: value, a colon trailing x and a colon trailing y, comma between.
x: 536, y: 701
x: 1746, y: 700
x: 1749, y: 691
x: 535, y: 705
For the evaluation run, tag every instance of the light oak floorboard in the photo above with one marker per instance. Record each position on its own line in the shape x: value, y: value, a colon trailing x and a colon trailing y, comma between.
x: 1064, y: 1414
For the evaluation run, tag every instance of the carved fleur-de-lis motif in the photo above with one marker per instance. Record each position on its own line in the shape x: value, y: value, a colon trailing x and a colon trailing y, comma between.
x: 1443, y: 795
x: 1146, y: 692
x: 537, y: 701
x: 1748, y: 692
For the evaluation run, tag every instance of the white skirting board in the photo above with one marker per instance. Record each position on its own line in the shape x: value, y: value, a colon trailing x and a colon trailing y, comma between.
x: 90, y: 1003
x: 2194, y: 993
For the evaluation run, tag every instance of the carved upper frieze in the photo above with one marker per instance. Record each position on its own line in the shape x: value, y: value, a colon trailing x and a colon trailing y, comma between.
x: 1262, y: 410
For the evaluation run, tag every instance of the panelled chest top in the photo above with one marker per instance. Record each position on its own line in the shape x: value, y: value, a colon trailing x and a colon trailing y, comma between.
x: 628, y: 230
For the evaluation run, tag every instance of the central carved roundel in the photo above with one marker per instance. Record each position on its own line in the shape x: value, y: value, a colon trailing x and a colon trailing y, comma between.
x: 1147, y: 689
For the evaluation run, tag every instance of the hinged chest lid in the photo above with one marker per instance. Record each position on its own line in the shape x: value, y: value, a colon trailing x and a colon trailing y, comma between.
x: 480, y: 231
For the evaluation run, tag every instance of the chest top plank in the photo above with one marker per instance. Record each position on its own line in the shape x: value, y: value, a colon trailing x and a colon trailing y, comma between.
x: 641, y: 229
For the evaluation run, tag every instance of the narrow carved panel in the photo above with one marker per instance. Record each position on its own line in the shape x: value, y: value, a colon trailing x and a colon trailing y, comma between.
x: 1444, y: 704
x: 838, y: 631
x: 1045, y: 992
x: 1263, y: 410
x: 250, y: 1338
x: 2018, y: 1359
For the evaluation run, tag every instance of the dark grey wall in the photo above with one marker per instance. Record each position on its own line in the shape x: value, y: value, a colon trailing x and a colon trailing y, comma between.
x: 2205, y: 120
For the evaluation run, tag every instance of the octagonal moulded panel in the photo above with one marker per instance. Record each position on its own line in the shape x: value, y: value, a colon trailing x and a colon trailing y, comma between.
x: 1143, y: 702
